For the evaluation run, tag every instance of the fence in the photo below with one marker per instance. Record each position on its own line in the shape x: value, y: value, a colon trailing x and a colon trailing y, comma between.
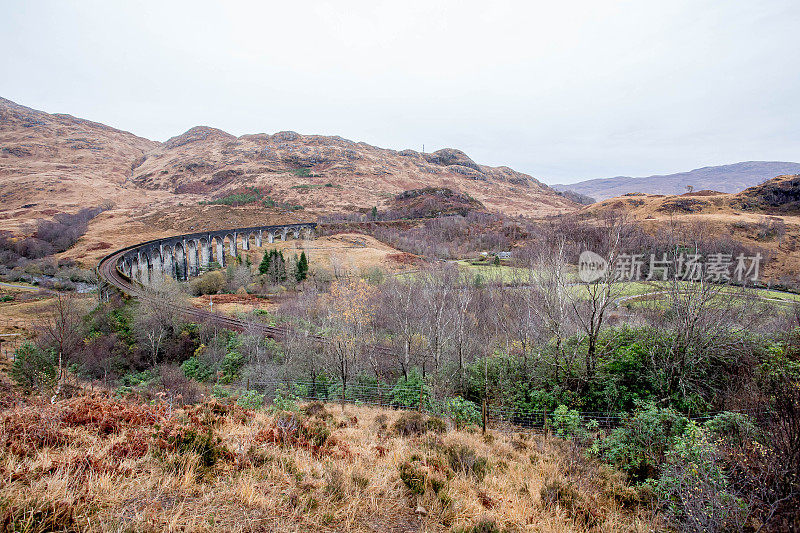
x: 380, y: 395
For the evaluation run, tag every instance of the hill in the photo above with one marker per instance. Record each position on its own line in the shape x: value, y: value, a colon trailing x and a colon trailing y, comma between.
x: 325, y: 174
x: 218, y: 467
x: 433, y: 202
x: 724, y: 178
x: 52, y: 163
x: 766, y: 217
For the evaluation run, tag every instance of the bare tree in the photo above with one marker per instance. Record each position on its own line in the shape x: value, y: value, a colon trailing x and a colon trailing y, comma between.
x: 350, y: 311
x: 592, y: 301
x: 547, y: 307
x: 463, y: 324
x: 401, y: 314
x: 159, y: 314
x: 437, y: 288
x: 61, y: 328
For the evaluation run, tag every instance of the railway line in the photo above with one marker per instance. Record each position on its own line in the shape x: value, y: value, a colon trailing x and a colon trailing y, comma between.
x: 111, y: 277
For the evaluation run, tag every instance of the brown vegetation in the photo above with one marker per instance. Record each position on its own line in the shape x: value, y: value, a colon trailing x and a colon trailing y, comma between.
x: 94, y: 463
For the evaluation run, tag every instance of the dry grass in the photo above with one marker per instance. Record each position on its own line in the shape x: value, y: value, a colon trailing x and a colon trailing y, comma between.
x: 98, y: 464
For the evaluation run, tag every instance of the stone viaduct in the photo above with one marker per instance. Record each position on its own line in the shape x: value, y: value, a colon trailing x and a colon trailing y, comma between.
x: 184, y: 256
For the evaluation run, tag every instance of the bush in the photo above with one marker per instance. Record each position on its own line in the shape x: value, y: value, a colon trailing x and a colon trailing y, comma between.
x: 413, y: 424
x: 413, y: 478
x: 34, y: 369
x: 175, y: 382
x: 735, y: 428
x: 410, y: 391
x: 465, y: 460
x: 250, y: 399
x: 694, y: 489
x: 640, y: 445
x: 567, y: 423
x: 196, y: 369
x: 461, y: 411
x: 230, y: 365
x: 209, y: 283
x: 284, y: 401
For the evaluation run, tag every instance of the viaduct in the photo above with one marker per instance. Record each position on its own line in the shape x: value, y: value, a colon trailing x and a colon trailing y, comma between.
x: 183, y: 256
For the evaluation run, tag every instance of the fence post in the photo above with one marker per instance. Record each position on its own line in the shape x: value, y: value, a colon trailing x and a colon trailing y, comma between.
x: 421, y: 389
x: 483, y: 414
x: 546, y: 428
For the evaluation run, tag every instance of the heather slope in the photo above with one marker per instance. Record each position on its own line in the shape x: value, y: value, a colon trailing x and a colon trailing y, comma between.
x: 327, y: 174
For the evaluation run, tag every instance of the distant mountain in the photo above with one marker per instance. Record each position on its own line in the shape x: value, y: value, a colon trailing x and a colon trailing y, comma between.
x: 723, y: 178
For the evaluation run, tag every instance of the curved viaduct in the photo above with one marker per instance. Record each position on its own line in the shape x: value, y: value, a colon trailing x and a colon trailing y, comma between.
x: 184, y: 256
x: 130, y: 269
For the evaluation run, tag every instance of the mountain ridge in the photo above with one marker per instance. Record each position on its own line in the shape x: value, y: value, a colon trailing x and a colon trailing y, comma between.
x: 60, y: 162
x: 730, y: 178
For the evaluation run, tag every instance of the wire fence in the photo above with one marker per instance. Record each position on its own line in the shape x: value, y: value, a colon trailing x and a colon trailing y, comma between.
x: 499, y: 417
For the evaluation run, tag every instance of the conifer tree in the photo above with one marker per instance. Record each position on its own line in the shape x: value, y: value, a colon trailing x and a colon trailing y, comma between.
x: 301, y: 269
x: 263, y: 268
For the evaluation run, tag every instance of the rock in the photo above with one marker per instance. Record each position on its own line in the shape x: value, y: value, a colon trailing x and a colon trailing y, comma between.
x: 421, y: 511
x: 285, y: 136
x: 451, y: 156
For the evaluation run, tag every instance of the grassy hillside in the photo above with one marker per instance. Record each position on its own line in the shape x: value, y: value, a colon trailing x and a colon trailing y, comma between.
x: 93, y: 463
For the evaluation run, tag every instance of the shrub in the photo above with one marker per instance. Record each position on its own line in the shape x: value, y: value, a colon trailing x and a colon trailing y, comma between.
x: 640, y: 445
x: 461, y: 411
x: 250, y: 399
x: 735, y: 428
x: 436, y: 425
x: 465, y: 460
x: 567, y: 423
x: 284, y: 401
x: 230, y: 365
x: 566, y: 495
x: 209, y: 283
x: 563, y: 493
x: 196, y: 369
x: 410, y: 391
x: 413, y: 478
x: 694, y: 489
x: 33, y: 369
x: 175, y: 382
x: 413, y: 424
x: 204, y: 444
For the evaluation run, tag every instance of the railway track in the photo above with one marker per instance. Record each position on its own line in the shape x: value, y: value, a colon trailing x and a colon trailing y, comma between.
x: 112, y: 277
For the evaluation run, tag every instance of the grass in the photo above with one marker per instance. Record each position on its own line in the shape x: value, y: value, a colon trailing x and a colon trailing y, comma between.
x: 304, y: 173
x: 98, y: 464
x: 244, y: 198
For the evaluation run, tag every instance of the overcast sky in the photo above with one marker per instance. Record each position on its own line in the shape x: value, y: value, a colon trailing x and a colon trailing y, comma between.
x: 561, y: 90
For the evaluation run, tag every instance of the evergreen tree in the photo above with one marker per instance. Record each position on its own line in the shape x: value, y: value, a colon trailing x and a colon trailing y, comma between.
x: 280, y: 267
x: 263, y: 268
x: 374, y: 213
x: 301, y: 269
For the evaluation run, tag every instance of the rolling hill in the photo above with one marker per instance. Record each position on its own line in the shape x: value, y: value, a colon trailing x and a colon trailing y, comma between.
x: 55, y: 162
x: 724, y: 178
x: 764, y: 217
x: 205, y: 177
